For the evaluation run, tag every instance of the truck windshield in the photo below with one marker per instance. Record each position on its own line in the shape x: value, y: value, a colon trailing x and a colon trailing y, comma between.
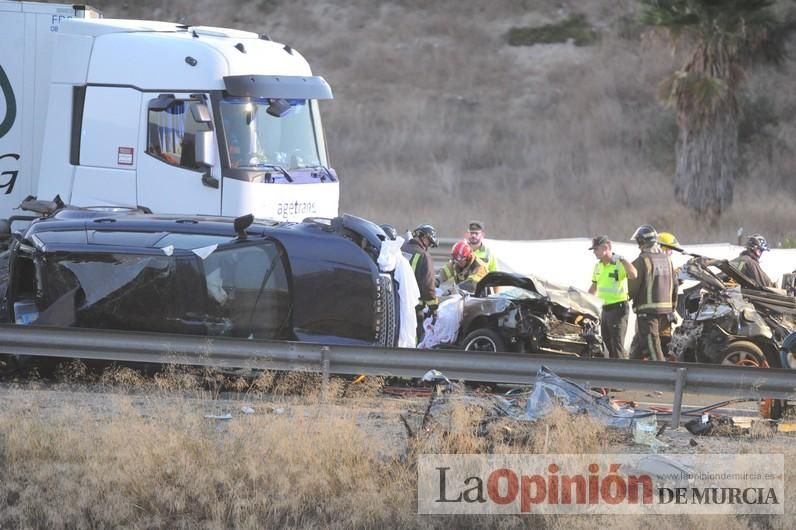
x: 256, y: 138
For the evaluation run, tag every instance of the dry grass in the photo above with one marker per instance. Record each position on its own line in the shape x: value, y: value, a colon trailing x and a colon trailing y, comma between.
x: 146, y: 457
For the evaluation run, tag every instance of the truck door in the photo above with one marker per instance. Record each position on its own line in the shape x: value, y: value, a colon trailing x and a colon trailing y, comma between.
x: 178, y: 170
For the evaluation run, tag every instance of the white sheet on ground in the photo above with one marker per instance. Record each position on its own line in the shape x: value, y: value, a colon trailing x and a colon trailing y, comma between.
x: 446, y: 329
x: 392, y: 260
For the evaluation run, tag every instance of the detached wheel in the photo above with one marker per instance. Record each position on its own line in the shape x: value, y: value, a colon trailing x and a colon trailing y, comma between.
x: 744, y: 353
x: 484, y: 339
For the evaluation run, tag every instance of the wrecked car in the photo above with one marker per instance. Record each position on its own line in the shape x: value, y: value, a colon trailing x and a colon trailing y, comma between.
x: 729, y: 318
x: 315, y: 281
x: 514, y: 313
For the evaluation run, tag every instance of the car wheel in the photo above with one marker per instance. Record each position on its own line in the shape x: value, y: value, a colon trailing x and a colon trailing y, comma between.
x: 483, y: 339
x: 743, y: 353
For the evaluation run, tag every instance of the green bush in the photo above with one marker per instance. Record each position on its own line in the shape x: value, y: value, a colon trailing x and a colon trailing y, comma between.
x: 575, y: 27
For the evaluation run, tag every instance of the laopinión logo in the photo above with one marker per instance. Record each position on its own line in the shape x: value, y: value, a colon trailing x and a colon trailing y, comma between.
x: 11, y: 104
x: 601, y: 484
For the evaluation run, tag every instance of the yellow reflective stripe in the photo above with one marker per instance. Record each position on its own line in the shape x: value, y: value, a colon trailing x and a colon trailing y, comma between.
x: 415, y: 261
x: 655, y: 305
x: 653, y: 350
x: 446, y: 272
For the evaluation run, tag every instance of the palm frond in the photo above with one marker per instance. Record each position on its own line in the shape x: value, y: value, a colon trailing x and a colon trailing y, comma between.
x: 696, y: 95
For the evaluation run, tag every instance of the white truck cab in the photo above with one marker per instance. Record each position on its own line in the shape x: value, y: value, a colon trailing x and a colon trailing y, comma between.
x: 177, y: 119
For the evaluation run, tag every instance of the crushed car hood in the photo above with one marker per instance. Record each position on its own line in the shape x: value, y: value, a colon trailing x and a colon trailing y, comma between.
x: 572, y: 298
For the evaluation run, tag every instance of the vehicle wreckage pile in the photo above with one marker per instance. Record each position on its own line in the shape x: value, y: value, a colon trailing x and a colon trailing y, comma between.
x: 729, y: 318
x: 509, y: 417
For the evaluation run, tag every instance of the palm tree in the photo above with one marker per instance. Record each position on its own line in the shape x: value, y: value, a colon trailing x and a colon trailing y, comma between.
x: 722, y: 38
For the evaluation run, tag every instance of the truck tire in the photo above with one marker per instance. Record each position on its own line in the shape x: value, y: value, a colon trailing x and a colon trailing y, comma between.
x: 388, y: 332
x: 743, y: 353
x: 484, y: 339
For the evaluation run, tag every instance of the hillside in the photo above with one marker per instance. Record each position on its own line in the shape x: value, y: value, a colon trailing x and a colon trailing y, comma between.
x: 438, y: 119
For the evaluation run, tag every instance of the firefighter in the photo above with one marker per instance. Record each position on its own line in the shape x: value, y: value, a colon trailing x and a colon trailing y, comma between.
x: 416, y: 251
x: 654, y: 294
x: 668, y: 242
x: 390, y: 231
x: 609, y: 283
x: 748, y: 261
x: 464, y: 267
x: 475, y: 237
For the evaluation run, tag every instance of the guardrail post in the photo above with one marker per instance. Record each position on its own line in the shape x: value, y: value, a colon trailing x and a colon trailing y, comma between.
x: 324, y: 371
x: 679, y: 383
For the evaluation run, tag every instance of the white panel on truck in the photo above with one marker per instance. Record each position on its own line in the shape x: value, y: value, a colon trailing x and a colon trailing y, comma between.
x: 12, y: 91
x: 103, y: 187
x: 28, y: 31
x: 111, y: 118
x: 55, y: 172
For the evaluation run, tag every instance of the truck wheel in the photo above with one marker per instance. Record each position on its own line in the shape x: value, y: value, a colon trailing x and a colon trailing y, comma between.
x: 484, y: 339
x: 390, y: 326
x: 744, y: 353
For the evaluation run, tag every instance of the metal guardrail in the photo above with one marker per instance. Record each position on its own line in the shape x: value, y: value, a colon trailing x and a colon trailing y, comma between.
x: 442, y: 253
x: 513, y: 368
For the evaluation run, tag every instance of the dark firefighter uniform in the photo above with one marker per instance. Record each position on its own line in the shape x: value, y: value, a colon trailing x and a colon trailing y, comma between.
x: 654, y: 295
x: 423, y: 265
x: 748, y: 263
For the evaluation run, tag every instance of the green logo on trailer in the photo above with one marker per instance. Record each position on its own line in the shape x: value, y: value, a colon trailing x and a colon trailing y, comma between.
x: 11, y: 104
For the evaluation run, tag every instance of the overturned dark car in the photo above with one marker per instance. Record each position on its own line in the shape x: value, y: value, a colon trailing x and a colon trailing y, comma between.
x: 515, y: 313
x: 211, y: 276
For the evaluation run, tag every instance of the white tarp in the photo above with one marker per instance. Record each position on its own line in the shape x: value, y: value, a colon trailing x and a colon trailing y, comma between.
x: 392, y: 260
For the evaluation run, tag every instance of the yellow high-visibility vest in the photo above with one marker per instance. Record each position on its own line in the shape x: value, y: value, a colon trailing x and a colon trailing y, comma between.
x: 611, y: 282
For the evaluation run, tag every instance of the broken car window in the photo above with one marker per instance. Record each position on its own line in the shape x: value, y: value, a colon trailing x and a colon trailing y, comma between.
x: 238, y: 290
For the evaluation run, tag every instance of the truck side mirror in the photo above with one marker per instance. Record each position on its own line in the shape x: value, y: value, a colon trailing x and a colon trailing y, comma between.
x: 278, y: 107
x: 206, y: 156
x: 205, y: 148
x: 200, y: 113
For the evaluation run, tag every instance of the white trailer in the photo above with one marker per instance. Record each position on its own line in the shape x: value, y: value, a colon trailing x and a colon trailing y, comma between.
x: 177, y: 119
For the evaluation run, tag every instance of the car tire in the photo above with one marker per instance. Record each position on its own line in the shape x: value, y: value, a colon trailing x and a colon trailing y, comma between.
x: 485, y: 340
x: 743, y: 353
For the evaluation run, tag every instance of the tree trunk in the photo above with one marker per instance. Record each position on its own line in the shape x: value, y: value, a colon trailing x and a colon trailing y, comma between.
x: 707, y: 163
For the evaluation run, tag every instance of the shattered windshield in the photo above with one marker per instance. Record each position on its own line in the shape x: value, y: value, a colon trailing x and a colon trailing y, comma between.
x: 256, y: 138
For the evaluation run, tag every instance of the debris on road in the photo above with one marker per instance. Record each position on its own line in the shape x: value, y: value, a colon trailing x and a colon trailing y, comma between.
x: 645, y: 432
x: 550, y: 391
